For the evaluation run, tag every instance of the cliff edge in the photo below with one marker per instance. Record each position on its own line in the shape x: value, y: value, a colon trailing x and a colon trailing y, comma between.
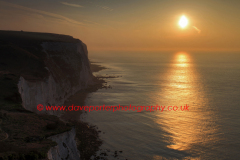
x: 39, y: 68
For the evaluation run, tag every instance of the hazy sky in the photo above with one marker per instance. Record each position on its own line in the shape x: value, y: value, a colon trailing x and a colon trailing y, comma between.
x: 130, y: 24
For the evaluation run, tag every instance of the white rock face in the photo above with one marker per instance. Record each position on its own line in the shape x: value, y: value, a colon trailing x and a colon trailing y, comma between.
x: 69, y: 72
x: 66, y: 148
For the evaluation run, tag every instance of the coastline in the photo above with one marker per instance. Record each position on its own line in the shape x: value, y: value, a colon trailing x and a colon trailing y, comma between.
x: 87, y: 135
x: 43, y: 126
x: 96, y: 67
x: 27, y: 57
x: 81, y: 95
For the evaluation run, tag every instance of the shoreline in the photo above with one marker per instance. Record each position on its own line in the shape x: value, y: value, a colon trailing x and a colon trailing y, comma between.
x: 96, y: 67
x: 87, y: 135
x: 81, y: 95
x: 15, y: 119
x: 11, y: 111
x: 26, y: 134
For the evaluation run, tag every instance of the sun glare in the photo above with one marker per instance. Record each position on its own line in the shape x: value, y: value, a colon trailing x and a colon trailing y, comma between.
x: 183, y: 22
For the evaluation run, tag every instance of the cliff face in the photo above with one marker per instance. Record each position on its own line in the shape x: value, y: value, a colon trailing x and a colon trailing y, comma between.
x: 50, y: 68
x: 66, y: 147
x: 69, y: 71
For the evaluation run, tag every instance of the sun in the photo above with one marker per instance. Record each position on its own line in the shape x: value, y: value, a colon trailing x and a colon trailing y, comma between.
x: 183, y: 22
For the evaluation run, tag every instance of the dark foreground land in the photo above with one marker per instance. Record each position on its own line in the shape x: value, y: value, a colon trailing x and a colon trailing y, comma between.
x: 23, y: 134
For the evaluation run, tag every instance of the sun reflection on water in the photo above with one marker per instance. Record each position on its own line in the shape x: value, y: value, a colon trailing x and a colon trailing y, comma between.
x: 185, y: 128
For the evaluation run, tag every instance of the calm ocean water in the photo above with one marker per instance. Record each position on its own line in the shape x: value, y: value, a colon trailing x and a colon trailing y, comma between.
x: 208, y: 82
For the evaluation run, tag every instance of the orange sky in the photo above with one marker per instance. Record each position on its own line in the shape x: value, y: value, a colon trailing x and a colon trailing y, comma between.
x: 130, y: 25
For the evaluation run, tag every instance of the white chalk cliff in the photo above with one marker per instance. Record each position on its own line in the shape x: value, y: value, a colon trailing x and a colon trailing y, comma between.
x: 69, y: 72
x: 50, y: 68
x: 66, y: 147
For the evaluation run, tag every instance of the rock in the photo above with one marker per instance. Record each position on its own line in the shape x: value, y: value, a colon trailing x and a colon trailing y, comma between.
x: 66, y: 147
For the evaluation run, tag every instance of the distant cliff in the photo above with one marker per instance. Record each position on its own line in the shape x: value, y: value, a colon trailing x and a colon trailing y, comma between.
x: 50, y: 68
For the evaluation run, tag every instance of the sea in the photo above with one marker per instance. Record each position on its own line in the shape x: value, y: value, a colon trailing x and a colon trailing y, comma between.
x: 208, y: 83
